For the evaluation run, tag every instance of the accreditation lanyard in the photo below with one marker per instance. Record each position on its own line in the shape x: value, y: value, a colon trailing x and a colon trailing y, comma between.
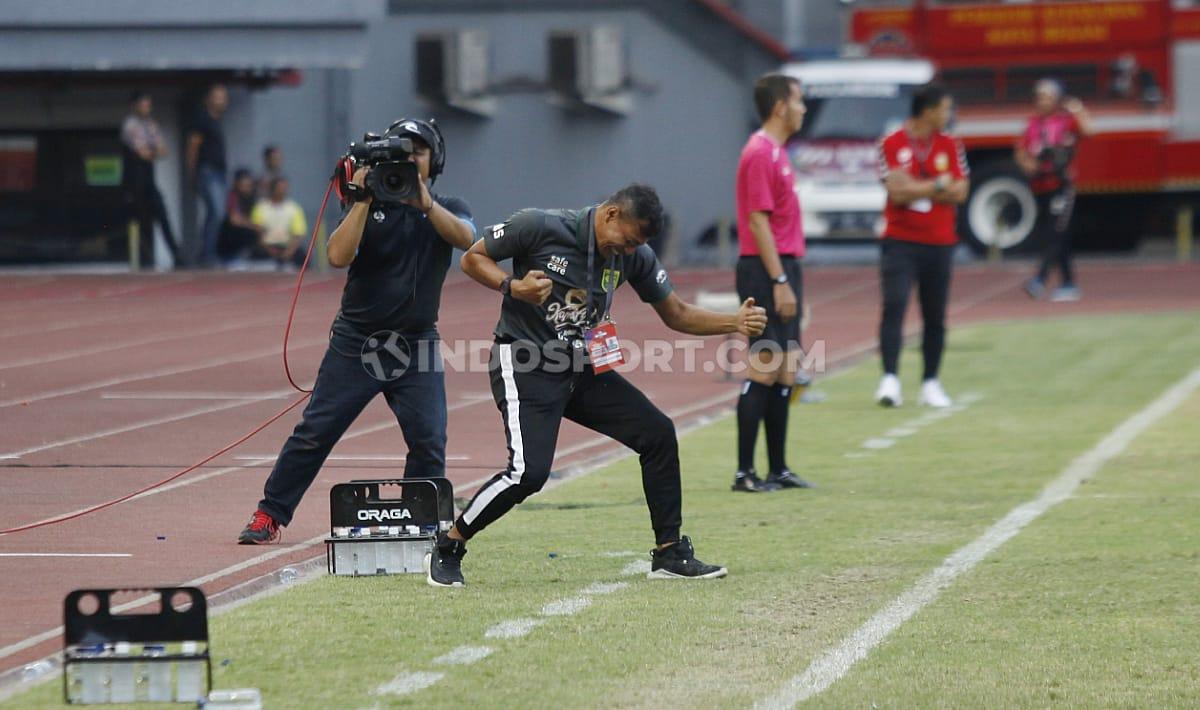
x: 603, y: 346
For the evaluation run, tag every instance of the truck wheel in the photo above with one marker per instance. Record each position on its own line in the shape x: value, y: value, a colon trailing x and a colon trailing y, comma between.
x: 1000, y: 211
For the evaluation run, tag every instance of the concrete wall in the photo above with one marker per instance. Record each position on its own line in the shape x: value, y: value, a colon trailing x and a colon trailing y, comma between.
x: 683, y: 135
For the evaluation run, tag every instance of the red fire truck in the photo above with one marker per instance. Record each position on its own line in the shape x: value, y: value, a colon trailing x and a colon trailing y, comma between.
x: 1134, y: 63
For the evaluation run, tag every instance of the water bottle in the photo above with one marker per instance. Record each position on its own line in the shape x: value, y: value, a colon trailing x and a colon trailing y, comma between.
x: 239, y: 699
x: 33, y: 671
x: 287, y: 575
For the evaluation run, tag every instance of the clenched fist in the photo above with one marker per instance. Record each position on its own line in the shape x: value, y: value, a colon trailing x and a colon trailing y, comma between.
x: 533, y: 288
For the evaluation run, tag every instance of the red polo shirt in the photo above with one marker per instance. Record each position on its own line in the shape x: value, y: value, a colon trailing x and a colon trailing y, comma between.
x: 923, y: 221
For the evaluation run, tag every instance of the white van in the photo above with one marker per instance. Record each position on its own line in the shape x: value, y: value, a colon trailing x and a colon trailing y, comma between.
x: 851, y: 104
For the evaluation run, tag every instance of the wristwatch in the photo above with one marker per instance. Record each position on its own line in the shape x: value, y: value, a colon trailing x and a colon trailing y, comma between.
x: 506, y: 286
x: 780, y: 279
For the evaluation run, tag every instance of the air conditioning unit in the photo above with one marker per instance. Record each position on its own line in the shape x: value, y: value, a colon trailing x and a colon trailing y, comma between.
x: 452, y: 70
x: 588, y: 69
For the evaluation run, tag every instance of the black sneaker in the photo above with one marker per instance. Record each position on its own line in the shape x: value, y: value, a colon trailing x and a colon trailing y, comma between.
x: 749, y: 482
x: 787, y: 479
x: 443, y: 565
x: 679, y: 562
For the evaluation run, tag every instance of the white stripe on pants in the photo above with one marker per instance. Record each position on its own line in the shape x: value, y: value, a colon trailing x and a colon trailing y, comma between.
x: 513, y: 407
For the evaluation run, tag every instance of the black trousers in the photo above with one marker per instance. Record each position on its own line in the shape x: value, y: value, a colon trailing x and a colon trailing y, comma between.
x: 343, y: 388
x: 900, y: 264
x: 1053, y: 228
x: 532, y: 404
x: 147, y: 209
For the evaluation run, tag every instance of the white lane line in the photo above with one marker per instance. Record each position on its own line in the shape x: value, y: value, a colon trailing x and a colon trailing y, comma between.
x: 636, y: 567
x: 914, y: 426
x: 513, y: 628
x: 194, y: 478
x: 878, y: 443
x: 351, y: 457
x: 900, y: 432
x: 162, y: 372
x: 65, y: 554
x: 463, y: 656
x: 192, y: 395
x: 134, y: 343
x: 837, y: 661
x: 145, y: 424
x: 406, y: 683
x: 565, y: 607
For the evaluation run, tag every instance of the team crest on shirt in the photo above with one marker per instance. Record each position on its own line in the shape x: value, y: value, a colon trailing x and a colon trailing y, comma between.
x: 558, y: 264
x: 941, y: 162
x: 610, y: 274
x: 904, y: 155
x: 379, y: 216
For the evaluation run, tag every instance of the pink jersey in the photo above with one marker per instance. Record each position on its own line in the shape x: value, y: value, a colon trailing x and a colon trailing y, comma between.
x: 766, y: 183
x: 1058, y: 130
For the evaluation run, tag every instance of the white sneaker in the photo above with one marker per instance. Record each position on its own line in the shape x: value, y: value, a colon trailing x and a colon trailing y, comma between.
x: 888, y: 393
x: 932, y: 395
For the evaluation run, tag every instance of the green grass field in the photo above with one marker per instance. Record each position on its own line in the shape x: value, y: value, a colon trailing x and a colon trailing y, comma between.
x: 1095, y: 604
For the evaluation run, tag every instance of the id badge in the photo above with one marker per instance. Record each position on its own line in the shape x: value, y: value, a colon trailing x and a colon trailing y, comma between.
x: 922, y: 206
x: 604, y: 349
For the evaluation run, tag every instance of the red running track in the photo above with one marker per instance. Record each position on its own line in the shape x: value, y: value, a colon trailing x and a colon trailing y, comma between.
x: 110, y: 383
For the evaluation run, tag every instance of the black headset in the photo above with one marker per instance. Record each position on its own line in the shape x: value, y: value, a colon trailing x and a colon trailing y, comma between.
x: 425, y: 131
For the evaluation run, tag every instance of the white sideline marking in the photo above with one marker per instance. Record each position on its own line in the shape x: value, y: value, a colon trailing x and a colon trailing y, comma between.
x: 636, y: 567
x: 604, y: 588
x: 566, y: 607
x: 513, y: 628
x: 888, y: 440
x: 406, y: 683
x: 900, y: 432
x: 65, y: 554
x: 837, y: 661
x: 463, y: 655
x: 878, y: 443
x: 623, y: 553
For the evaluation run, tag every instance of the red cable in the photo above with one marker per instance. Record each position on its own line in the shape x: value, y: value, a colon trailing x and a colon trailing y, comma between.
x: 307, y: 393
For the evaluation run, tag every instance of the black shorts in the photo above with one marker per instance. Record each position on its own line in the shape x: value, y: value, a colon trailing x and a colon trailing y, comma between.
x: 754, y: 282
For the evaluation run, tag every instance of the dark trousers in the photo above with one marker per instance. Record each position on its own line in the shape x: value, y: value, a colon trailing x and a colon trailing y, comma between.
x: 1053, y: 228
x: 533, y: 403
x: 148, y: 209
x: 901, y: 263
x: 343, y: 388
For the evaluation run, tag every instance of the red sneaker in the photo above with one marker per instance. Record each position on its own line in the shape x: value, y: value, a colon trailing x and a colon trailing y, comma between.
x: 261, y: 529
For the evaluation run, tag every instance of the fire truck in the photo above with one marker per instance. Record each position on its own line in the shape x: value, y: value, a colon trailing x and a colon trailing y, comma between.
x: 1134, y: 63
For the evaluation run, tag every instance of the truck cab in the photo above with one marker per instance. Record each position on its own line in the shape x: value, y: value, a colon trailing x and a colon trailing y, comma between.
x: 851, y: 104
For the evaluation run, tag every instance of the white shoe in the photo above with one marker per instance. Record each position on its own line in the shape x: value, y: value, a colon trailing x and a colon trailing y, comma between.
x: 932, y: 395
x: 888, y: 393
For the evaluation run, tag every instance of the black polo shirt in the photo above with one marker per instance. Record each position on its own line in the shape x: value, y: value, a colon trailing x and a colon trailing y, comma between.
x: 555, y: 242
x: 395, y: 280
x: 212, y: 147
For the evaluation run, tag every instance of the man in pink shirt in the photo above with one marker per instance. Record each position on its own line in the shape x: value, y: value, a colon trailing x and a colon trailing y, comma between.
x: 1045, y: 152
x: 771, y: 243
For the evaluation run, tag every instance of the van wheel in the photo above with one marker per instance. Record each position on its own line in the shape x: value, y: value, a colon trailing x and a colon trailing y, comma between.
x: 1000, y: 211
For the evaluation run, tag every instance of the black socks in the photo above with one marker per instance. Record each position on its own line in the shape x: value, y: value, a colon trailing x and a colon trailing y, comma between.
x: 751, y: 409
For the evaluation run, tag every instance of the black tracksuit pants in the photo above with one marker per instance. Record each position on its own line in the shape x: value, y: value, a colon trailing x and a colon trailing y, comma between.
x: 900, y: 264
x: 1054, y: 210
x: 533, y: 402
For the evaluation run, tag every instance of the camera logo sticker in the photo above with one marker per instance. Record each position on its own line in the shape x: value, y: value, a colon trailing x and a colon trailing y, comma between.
x: 379, y: 216
x: 661, y: 277
x: 385, y: 355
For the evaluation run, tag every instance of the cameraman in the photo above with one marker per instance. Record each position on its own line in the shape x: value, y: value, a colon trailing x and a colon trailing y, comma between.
x: 1045, y: 152
x: 384, y: 338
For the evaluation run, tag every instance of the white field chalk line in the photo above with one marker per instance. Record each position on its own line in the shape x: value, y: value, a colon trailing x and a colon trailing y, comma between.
x: 406, y: 683
x: 145, y: 424
x: 162, y: 372
x: 889, y: 438
x: 837, y: 661
x: 566, y: 607
x: 65, y: 554
x: 513, y: 628
x: 463, y: 656
x: 636, y: 567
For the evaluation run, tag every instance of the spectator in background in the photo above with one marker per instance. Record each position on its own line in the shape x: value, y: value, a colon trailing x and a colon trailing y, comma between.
x: 1046, y: 153
x: 240, y: 236
x: 272, y: 157
x: 282, y: 222
x: 141, y: 145
x: 205, y: 161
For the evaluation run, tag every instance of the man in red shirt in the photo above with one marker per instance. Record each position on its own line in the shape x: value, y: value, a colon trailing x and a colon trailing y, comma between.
x: 925, y: 173
x: 771, y: 243
x: 1045, y: 152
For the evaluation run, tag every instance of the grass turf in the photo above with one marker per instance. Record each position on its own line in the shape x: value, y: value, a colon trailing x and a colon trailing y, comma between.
x: 1093, y: 605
